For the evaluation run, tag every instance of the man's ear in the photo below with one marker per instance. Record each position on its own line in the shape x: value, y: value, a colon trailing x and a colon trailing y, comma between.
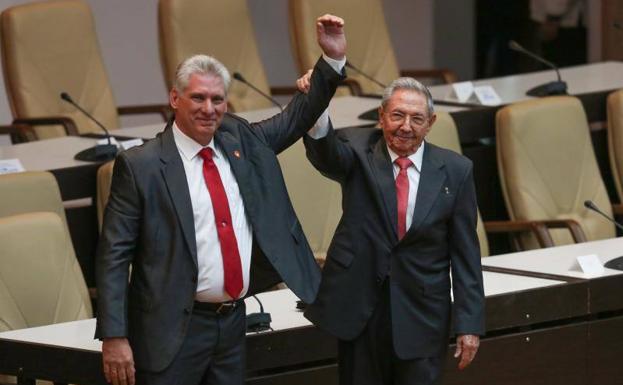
x: 381, y: 113
x: 173, y: 98
x: 432, y: 120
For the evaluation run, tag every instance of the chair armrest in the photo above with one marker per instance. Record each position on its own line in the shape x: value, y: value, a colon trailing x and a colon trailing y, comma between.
x: 283, y: 90
x: 574, y: 227
x: 617, y: 209
x: 445, y: 75
x: 162, y: 109
x: 68, y: 124
x: 539, y: 230
x: 18, y: 133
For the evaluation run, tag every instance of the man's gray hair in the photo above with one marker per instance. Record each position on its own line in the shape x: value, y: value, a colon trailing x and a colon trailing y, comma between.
x: 200, y: 64
x: 408, y: 84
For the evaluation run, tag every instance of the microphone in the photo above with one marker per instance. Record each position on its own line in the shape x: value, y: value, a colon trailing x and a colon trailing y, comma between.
x: 257, y: 322
x: 365, y: 75
x: 241, y: 78
x: 552, y: 88
x: 100, y: 152
x: 616, y: 263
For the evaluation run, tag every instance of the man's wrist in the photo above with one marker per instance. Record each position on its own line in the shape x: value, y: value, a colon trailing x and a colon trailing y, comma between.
x: 336, y: 64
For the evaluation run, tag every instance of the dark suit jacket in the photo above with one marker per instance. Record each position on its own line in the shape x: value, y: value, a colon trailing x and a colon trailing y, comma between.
x: 149, y: 223
x: 365, y: 248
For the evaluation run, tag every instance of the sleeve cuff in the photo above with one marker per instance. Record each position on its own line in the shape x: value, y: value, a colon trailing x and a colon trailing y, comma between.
x: 337, y: 65
x: 321, y: 128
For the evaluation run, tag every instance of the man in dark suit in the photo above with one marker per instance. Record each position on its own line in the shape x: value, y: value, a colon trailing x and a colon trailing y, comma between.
x: 202, y: 215
x: 409, y: 219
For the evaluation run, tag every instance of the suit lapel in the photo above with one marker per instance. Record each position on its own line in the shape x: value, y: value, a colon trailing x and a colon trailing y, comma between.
x: 177, y: 185
x: 432, y: 177
x: 381, y: 166
x: 239, y: 163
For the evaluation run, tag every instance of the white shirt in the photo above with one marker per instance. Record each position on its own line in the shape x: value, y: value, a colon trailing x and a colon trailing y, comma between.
x: 210, y: 282
x: 413, y: 173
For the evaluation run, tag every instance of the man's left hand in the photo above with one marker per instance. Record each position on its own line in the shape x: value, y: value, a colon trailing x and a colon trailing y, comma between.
x: 466, y: 348
x: 331, y: 37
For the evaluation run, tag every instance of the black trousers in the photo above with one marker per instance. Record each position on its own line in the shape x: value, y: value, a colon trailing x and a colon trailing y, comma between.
x: 370, y: 359
x: 213, y: 352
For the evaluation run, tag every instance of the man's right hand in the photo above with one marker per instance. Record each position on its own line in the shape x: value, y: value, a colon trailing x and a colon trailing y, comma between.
x: 118, y: 361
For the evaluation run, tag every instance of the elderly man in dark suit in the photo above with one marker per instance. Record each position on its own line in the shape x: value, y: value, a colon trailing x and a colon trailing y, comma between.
x: 202, y: 215
x: 409, y: 219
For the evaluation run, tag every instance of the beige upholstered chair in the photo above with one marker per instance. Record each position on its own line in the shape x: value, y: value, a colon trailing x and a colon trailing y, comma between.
x: 317, y: 200
x: 369, y: 45
x: 615, y: 139
x: 40, y: 280
x: 548, y: 168
x: 104, y: 180
x: 30, y: 191
x: 444, y: 134
x: 51, y: 47
x: 185, y: 28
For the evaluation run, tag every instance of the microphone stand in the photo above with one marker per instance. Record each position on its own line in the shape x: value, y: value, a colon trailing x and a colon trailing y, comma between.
x: 100, y: 152
x: 557, y: 87
x: 241, y: 79
x: 616, y: 263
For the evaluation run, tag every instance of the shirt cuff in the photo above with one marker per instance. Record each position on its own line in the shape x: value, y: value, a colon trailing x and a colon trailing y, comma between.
x: 321, y: 128
x: 337, y: 65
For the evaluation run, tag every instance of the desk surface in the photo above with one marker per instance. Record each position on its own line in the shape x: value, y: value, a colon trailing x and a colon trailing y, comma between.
x: 580, y: 79
x: 560, y: 260
x: 281, y: 304
x: 49, y: 154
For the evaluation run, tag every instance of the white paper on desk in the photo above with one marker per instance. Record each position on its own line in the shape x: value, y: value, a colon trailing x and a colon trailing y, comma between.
x: 590, y: 264
x: 8, y: 166
x: 105, y: 141
x: 487, y: 96
x: 127, y: 144
x: 461, y: 91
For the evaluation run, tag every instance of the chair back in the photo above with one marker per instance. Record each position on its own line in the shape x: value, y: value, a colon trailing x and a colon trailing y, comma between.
x: 444, y: 134
x: 317, y: 200
x: 30, y: 191
x: 40, y: 279
x: 548, y: 168
x: 615, y: 139
x: 369, y: 45
x: 221, y: 29
x: 49, y: 47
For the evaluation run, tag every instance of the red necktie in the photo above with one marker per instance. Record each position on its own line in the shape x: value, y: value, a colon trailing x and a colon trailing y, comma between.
x: 224, y: 227
x: 402, y: 194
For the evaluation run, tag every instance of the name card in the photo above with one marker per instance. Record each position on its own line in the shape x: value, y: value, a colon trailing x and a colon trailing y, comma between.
x: 590, y: 264
x: 127, y: 144
x: 8, y: 166
x: 487, y: 96
x: 462, y: 91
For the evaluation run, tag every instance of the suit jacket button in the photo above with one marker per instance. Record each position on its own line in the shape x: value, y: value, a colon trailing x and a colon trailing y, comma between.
x: 187, y: 310
x: 379, y: 280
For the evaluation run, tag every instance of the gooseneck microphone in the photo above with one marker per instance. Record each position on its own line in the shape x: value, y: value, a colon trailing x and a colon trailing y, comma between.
x: 616, y: 263
x: 365, y: 75
x: 241, y: 79
x: 100, y: 152
x: 557, y: 87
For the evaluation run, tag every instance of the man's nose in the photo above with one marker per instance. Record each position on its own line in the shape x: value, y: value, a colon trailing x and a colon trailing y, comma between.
x: 207, y: 106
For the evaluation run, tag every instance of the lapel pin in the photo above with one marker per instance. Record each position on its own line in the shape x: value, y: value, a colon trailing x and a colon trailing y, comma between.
x: 237, y: 154
x: 446, y: 190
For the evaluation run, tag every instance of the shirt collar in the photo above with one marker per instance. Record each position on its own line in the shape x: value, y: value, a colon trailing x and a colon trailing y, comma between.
x: 187, y: 145
x: 415, y: 158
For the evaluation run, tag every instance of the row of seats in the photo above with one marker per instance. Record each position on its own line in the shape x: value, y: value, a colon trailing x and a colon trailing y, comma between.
x: 51, y: 46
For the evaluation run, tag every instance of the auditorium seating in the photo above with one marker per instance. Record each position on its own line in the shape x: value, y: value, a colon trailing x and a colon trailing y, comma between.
x: 51, y: 47
x: 548, y: 169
